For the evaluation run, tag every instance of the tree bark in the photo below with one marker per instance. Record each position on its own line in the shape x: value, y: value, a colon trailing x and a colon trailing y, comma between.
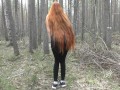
x: 45, y: 39
x: 39, y: 21
x: 11, y: 26
x: 22, y: 22
x: 107, y: 23
x: 94, y: 24
x: 69, y: 9
x: 4, y: 22
x: 17, y: 19
x: 75, y: 21
x: 83, y: 20
x: 32, y: 26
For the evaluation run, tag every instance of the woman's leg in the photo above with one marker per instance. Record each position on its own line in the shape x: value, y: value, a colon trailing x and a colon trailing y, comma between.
x: 56, y: 64
x: 63, y: 65
x: 56, y: 69
x: 63, y: 69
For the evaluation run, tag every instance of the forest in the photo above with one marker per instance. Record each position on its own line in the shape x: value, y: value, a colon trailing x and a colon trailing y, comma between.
x: 26, y: 59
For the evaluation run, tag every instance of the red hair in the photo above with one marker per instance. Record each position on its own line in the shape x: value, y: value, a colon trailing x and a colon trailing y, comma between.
x: 60, y: 27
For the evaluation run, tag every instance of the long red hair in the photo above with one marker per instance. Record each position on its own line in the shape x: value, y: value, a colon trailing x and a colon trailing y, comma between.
x: 60, y: 27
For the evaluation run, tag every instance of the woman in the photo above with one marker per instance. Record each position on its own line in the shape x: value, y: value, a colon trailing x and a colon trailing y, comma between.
x: 60, y: 30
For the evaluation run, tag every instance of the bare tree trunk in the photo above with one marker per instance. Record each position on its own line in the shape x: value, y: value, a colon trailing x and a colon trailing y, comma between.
x: 35, y: 44
x: 11, y: 26
x: 26, y: 19
x: 39, y: 21
x: 32, y: 26
x: 4, y: 22
x: 100, y: 18
x: 119, y: 17
x: 86, y: 15
x: 94, y: 25
x: 69, y: 9
x: 17, y: 19
x: 75, y: 21
x: 115, y: 15
x: 83, y: 20
x: 45, y: 39
x: 107, y: 23
x: 22, y: 18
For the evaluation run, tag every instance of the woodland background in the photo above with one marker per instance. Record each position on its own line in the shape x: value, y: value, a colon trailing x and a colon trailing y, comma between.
x: 26, y: 60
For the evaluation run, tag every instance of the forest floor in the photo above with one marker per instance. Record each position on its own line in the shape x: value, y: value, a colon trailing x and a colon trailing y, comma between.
x: 34, y: 72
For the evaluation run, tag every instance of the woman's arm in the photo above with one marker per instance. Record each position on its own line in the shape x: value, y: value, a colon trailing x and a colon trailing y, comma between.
x: 47, y: 26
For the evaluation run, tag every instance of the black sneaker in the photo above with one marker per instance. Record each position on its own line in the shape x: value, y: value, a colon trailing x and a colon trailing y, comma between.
x: 63, y: 84
x: 55, y: 85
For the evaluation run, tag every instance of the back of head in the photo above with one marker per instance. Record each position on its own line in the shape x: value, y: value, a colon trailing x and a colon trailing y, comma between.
x: 56, y: 8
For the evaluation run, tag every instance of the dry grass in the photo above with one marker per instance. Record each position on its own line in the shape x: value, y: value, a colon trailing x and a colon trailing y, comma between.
x: 34, y: 72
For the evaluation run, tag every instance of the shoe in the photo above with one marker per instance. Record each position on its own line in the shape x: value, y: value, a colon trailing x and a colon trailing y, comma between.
x: 63, y: 84
x: 55, y: 85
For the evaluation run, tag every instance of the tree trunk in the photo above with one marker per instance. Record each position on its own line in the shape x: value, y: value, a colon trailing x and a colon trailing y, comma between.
x: 107, y: 23
x: 4, y: 22
x: 39, y: 21
x: 45, y: 39
x: 69, y: 10
x: 115, y: 15
x: 34, y: 29
x: 11, y: 26
x: 22, y: 18
x: 75, y: 21
x: 17, y: 19
x: 100, y: 18
x: 83, y: 20
x: 94, y: 25
x: 32, y: 26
